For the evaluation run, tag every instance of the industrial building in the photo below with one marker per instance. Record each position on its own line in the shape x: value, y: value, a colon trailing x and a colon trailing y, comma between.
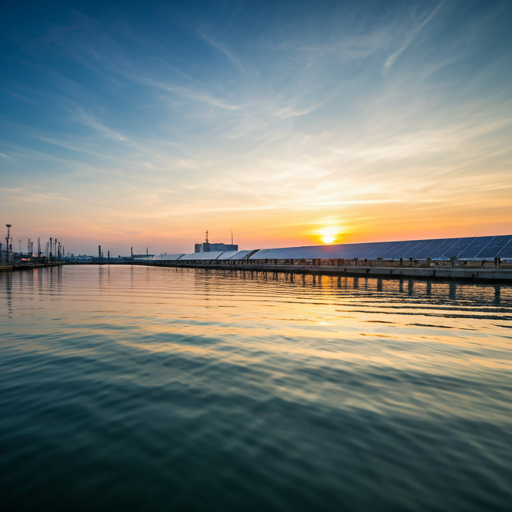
x: 207, y: 246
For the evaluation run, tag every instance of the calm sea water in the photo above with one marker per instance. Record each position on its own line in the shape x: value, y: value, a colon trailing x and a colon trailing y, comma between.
x: 133, y: 388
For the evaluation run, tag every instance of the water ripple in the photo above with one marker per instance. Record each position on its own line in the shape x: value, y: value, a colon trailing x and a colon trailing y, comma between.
x: 131, y: 388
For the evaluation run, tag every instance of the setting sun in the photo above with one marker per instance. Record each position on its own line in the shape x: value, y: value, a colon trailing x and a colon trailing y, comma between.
x: 329, y: 234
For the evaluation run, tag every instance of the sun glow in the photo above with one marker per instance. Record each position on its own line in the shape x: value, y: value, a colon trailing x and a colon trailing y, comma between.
x: 330, y: 234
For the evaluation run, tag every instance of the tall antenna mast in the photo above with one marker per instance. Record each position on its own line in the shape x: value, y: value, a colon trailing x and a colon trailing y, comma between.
x: 231, y: 237
x: 206, y: 239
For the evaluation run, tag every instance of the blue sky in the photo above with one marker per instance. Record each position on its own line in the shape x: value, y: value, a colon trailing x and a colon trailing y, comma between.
x: 130, y: 124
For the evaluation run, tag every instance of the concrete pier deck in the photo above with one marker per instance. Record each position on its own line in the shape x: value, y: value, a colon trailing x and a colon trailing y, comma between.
x: 475, y: 274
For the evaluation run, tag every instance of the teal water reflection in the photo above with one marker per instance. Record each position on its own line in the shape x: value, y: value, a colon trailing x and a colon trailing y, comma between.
x: 130, y: 388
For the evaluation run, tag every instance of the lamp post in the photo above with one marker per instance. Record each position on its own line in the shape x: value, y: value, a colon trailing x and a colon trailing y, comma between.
x: 7, y: 240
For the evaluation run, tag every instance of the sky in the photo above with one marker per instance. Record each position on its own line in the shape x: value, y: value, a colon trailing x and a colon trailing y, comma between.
x: 143, y: 124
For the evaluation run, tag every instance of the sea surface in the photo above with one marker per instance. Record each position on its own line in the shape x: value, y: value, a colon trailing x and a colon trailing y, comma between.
x: 156, y: 389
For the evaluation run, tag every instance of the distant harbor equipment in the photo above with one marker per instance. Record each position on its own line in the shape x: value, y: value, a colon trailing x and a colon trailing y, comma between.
x: 11, y: 260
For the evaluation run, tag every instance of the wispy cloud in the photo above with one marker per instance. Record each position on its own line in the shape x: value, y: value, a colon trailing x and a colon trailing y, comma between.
x: 291, y: 112
x: 410, y: 37
x: 17, y: 190
x: 72, y: 147
x: 221, y: 48
x: 89, y: 120
x: 193, y: 94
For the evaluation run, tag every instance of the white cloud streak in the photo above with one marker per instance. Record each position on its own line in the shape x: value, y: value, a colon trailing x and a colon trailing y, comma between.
x: 193, y: 94
x: 410, y: 37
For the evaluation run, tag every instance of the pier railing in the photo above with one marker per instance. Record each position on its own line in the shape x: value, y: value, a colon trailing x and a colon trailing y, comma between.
x: 495, y: 271
x: 339, y: 262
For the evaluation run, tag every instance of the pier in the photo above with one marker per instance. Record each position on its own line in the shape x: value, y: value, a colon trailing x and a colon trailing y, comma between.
x: 442, y: 272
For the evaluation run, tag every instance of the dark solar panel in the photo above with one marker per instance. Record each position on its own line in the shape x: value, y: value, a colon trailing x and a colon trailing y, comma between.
x: 354, y: 251
x: 402, y: 249
x: 397, y: 249
x: 377, y: 250
x: 340, y: 251
x: 474, y: 248
x: 427, y: 251
x: 460, y: 246
x: 440, y: 252
x: 506, y: 252
x: 388, y: 250
x: 393, y: 249
x: 493, y: 247
x: 414, y: 251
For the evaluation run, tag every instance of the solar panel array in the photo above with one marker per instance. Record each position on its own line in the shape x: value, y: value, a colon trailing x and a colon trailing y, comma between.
x: 199, y: 256
x: 202, y: 256
x: 235, y: 255
x: 167, y: 257
x: 472, y: 248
